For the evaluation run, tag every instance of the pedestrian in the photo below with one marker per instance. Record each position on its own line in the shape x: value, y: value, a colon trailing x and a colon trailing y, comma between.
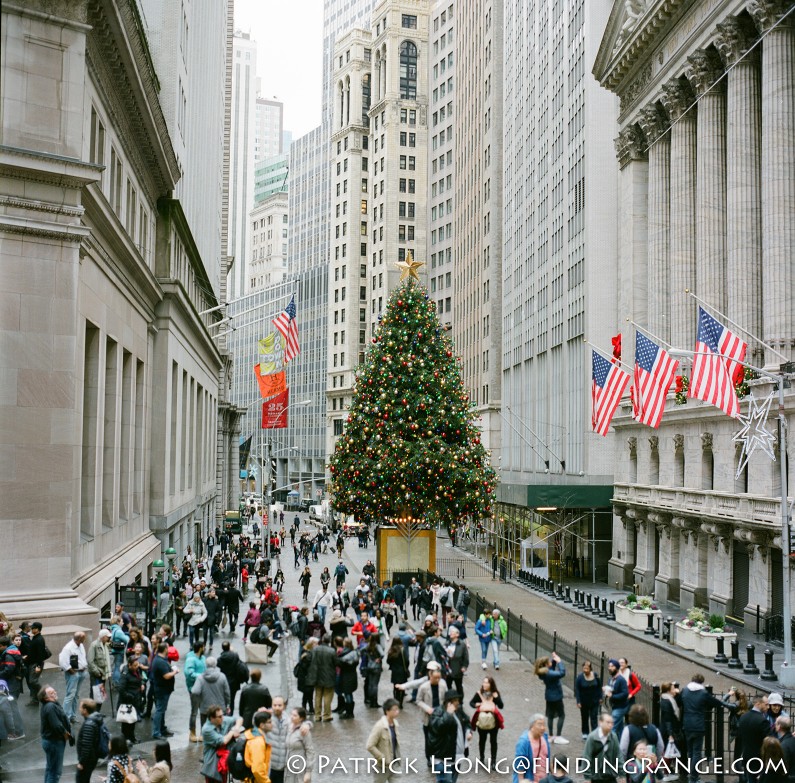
x: 232, y: 599
x: 34, y: 656
x: 638, y: 728
x: 551, y: 671
x: 633, y: 683
x: 12, y: 674
x: 696, y: 702
x: 197, y: 614
x: 783, y: 729
x: 253, y: 697
x: 299, y: 748
x: 218, y: 732
x: 300, y: 672
x: 56, y: 731
x: 253, y: 619
x: 371, y: 667
x: 397, y: 658
x: 132, y: 690
x: 587, y: 695
x: 160, y: 772
x: 639, y: 765
x: 671, y: 723
x: 74, y: 664
x: 119, y: 762
x: 195, y: 665
x: 383, y: 744
x: 211, y: 687
x: 304, y: 580
x: 458, y: 660
x: 257, y: 756
x: 348, y: 662
x: 602, y: 754
x: 533, y: 752
x: 773, y: 768
x: 235, y: 671
x: 363, y: 629
x: 775, y: 708
x: 214, y: 612
x: 557, y: 772
x: 99, y: 666
x: 321, y: 676
x: 487, y: 719
x: 617, y: 693
x: 323, y: 601
x: 491, y: 630
x: 88, y: 740
x: 462, y: 603
x: 118, y: 645
x: 448, y: 736
x: 163, y: 674
x: 430, y: 695
x: 446, y: 600
x: 752, y: 728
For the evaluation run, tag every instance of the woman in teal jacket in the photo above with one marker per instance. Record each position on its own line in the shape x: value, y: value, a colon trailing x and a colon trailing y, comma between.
x: 551, y: 671
x: 533, y: 756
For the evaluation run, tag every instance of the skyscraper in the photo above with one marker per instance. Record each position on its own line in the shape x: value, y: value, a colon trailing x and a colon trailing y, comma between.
x: 307, y: 236
x: 268, y: 129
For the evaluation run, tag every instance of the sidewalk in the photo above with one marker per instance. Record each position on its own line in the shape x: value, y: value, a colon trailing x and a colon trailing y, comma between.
x: 648, y: 656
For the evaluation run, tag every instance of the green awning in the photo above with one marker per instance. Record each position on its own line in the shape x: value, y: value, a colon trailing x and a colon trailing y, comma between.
x: 556, y: 495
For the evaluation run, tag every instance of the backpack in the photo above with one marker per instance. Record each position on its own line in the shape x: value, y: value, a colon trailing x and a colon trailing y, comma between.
x: 486, y: 721
x: 236, y: 760
x: 103, y: 741
x: 465, y: 598
x: 129, y: 775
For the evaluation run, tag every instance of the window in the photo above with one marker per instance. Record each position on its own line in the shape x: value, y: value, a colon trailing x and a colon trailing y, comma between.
x: 96, y: 152
x: 402, y: 161
x: 408, y: 20
x: 116, y: 174
x: 403, y: 138
x: 408, y: 70
x: 338, y: 426
x: 412, y: 117
x: 412, y: 139
x: 132, y: 208
x: 404, y: 117
x: 412, y: 161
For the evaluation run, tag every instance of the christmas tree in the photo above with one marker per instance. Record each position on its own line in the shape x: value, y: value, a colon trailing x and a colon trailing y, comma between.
x: 411, y: 446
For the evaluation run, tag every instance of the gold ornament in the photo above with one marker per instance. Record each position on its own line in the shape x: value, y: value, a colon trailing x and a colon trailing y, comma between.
x: 409, y: 267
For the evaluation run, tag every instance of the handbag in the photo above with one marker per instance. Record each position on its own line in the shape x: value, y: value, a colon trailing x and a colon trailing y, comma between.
x: 98, y: 693
x: 126, y: 714
x: 671, y: 751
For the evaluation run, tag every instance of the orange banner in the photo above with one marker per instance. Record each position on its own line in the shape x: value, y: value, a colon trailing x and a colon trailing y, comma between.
x: 274, y: 412
x: 269, y: 385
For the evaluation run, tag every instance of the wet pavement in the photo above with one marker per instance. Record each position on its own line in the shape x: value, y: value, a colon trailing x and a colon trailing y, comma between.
x: 341, y: 745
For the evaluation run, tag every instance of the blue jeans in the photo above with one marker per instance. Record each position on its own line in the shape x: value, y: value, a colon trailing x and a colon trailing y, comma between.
x: 445, y: 770
x: 495, y: 649
x: 209, y: 634
x: 53, y: 751
x: 695, y: 752
x: 619, y: 713
x: 159, y: 716
x: 194, y: 634
x: 73, y: 684
x: 117, y: 662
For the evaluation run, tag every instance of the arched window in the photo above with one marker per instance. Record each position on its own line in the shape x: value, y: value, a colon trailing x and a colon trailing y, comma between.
x: 408, y: 70
x: 365, y: 98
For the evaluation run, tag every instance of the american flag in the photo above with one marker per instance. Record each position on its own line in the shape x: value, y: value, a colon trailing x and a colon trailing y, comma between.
x: 285, y: 322
x: 654, y: 374
x: 607, y: 387
x: 711, y: 379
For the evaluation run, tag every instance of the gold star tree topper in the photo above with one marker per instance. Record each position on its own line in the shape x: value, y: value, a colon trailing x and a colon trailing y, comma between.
x: 409, y: 267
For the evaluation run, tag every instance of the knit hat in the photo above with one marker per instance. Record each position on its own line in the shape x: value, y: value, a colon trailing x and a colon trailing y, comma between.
x: 336, y: 615
x: 614, y: 662
x: 428, y: 618
x: 775, y: 698
x: 434, y: 666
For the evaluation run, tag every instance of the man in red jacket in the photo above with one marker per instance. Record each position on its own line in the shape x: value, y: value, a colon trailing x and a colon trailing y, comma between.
x: 362, y: 630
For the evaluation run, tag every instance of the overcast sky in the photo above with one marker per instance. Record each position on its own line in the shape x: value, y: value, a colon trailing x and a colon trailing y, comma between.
x: 289, y: 36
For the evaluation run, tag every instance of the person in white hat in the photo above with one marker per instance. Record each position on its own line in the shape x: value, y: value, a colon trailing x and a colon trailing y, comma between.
x: 99, y: 667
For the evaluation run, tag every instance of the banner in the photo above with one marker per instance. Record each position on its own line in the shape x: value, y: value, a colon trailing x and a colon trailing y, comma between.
x: 272, y: 384
x: 274, y: 411
x: 245, y: 451
x: 271, y: 353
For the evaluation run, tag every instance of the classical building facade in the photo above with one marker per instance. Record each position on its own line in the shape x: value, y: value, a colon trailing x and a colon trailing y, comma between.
x: 706, y: 148
x: 110, y: 393
x: 558, y: 280
x: 268, y: 262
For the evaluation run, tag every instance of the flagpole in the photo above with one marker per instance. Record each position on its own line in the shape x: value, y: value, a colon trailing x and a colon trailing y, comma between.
x: 608, y: 357
x: 651, y: 335
x: 736, y: 325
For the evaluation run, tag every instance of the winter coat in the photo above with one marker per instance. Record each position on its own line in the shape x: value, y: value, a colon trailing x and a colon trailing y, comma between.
x: 300, y: 671
x: 130, y: 688
x: 587, y: 692
x: 399, y: 667
x: 348, y: 661
x: 214, y: 610
x: 99, y: 660
x: 88, y: 740
x: 553, y: 681
x: 252, y: 697
x: 602, y: 757
x: 379, y: 743
x: 212, y: 688
x: 459, y: 659
x: 322, y: 667
x: 696, y: 700
x: 620, y: 694
x: 194, y: 666
x: 484, y: 627
x: 523, y: 758
x: 196, y: 612
x: 230, y: 665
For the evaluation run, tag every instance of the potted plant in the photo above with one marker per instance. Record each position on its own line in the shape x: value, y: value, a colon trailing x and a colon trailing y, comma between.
x: 688, y: 628
x: 713, y: 629
x: 633, y: 611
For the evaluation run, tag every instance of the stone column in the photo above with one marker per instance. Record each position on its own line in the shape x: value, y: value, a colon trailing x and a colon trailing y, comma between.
x: 619, y: 567
x: 743, y: 174
x: 693, y: 565
x: 677, y: 99
x: 760, y: 577
x: 633, y: 238
x: 778, y: 175
x: 666, y: 583
x: 646, y: 565
x: 654, y: 123
x: 705, y: 69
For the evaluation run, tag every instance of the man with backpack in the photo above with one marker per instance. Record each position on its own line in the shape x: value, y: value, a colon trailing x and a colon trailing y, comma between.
x: 430, y: 695
x: 256, y: 754
x: 462, y: 604
x: 446, y: 596
x: 340, y: 572
x: 93, y: 741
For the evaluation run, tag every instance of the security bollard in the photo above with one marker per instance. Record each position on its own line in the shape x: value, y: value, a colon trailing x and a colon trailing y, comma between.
x: 567, y: 598
x: 578, y: 603
x: 587, y: 602
x: 649, y: 625
x: 734, y: 658
x: 603, y: 608
x: 559, y: 594
x: 721, y: 656
x: 769, y: 674
x: 551, y: 588
x: 750, y: 664
x: 611, y: 611
x: 667, y: 625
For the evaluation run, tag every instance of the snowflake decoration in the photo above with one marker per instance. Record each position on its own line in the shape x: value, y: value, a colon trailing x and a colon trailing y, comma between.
x: 754, y: 433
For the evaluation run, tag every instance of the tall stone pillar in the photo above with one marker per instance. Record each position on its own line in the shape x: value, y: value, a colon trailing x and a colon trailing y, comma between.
x: 666, y: 582
x: 677, y: 99
x: 654, y: 123
x: 778, y: 174
x: 743, y: 174
x: 693, y: 564
x: 633, y: 283
x: 705, y: 69
x: 646, y: 565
